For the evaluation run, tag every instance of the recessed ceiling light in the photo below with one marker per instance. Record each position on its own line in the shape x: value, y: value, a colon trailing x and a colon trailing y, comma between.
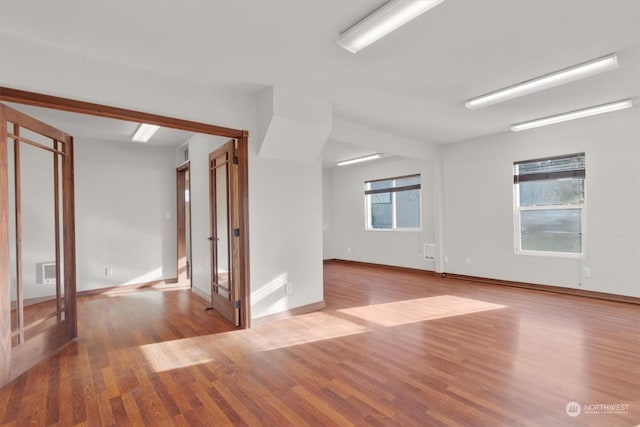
x: 144, y: 132
x: 547, y: 81
x: 359, y: 160
x: 382, y: 21
x: 572, y: 115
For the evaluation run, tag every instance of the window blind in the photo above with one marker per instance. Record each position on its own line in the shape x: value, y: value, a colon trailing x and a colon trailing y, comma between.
x: 392, y: 185
x: 570, y: 166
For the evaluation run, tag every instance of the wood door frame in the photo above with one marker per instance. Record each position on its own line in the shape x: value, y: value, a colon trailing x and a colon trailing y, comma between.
x: 5, y: 271
x: 182, y: 213
x: 93, y: 109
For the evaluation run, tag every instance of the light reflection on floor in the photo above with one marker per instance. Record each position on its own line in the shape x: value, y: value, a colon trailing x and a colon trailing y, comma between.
x: 418, y: 310
x: 309, y: 328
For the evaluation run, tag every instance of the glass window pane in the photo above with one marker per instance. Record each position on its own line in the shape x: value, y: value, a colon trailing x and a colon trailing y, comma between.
x: 223, y: 260
x: 553, y: 230
x: 554, y: 192
x: 381, y: 211
x: 408, y: 209
x: 380, y: 198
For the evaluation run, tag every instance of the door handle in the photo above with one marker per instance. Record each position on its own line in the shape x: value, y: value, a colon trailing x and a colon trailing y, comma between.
x: 211, y: 238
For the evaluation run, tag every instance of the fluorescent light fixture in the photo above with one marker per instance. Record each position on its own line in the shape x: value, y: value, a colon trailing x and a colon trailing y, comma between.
x: 144, y: 132
x: 577, y: 114
x: 359, y: 160
x: 382, y: 21
x: 547, y: 81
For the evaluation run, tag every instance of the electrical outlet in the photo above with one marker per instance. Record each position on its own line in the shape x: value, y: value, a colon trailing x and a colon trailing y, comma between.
x: 468, y: 261
x: 586, y: 271
x: 108, y: 271
x: 289, y: 287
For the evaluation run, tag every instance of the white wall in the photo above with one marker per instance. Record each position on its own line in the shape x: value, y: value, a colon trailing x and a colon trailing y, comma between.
x: 327, y: 213
x: 478, y: 204
x: 124, y: 193
x: 468, y: 210
x: 37, y: 217
x: 286, y: 234
x: 125, y: 213
x: 345, y: 234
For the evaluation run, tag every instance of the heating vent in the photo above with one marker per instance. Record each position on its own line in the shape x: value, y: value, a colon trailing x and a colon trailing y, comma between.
x: 47, y: 273
x: 429, y: 252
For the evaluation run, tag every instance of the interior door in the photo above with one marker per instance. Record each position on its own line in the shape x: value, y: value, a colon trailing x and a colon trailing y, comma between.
x: 225, y: 231
x: 37, y: 242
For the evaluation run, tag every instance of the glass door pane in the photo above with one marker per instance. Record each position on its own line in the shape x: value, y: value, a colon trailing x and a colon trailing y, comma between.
x: 222, y: 267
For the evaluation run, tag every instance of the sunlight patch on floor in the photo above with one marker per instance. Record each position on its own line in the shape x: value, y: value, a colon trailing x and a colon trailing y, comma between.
x: 168, y: 355
x: 306, y: 329
x: 310, y: 328
x: 418, y: 310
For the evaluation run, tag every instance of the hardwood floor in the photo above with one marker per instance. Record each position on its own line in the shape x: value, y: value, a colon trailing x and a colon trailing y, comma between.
x: 391, y: 348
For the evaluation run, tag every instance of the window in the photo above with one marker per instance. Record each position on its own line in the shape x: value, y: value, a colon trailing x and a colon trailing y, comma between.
x: 549, y: 200
x: 393, y: 203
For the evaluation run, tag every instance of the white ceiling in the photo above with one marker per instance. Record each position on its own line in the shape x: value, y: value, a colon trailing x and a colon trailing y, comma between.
x: 412, y: 83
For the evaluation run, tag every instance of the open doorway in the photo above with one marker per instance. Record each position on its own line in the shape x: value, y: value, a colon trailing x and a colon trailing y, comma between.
x: 73, y: 106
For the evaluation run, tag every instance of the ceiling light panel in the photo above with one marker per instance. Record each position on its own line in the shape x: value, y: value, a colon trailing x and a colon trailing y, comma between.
x: 572, y: 115
x: 359, y: 160
x: 144, y: 132
x: 381, y: 22
x: 567, y: 75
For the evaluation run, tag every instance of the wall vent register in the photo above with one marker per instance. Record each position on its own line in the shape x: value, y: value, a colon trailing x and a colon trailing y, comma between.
x: 47, y: 273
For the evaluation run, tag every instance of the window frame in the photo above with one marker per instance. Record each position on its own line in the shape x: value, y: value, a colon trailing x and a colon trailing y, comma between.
x: 393, y: 190
x: 517, y: 209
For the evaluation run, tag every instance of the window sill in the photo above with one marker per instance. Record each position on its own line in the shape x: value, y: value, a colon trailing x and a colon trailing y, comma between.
x: 400, y: 230
x: 569, y: 255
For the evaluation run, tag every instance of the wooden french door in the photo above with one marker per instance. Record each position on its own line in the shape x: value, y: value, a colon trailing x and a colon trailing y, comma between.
x: 37, y: 242
x: 225, y: 231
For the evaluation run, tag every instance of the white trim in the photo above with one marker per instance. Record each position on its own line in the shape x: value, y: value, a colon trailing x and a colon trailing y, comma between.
x: 574, y: 255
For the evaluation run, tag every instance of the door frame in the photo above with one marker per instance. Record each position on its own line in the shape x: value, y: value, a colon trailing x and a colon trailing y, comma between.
x: 100, y: 110
x: 183, y: 272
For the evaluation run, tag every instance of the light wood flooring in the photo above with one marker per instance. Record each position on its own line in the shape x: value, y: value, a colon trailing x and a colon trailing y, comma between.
x: 392, y: 348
